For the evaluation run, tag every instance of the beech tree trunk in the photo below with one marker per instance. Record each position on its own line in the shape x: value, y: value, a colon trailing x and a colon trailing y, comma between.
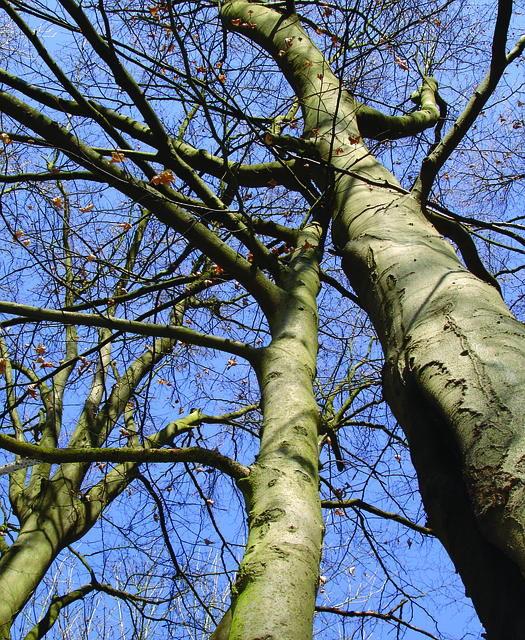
x: 49, y: 521
x: 276, y: 587
x: 454, y: 357
x: 454, y: 354
x: 454, y: 377
x: 454, y: 369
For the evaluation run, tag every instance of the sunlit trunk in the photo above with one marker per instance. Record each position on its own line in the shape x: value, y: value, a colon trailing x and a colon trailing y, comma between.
x: 454, y: 377
x: 274, y: 594
x: 24, y: 565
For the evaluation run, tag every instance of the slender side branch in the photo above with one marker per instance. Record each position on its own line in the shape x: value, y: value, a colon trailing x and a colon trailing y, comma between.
x: 121, y: 75
x: 11, y: 467
x: 167, y: 542
x: 171, y: 331
x: 454, y: 230
x: 355, y: 503
x: 500, y: 61
x: 327, y: 279
x: 15, y: 178
x: 57, y: 604
x: 375, y: 614
x: 61, y: 76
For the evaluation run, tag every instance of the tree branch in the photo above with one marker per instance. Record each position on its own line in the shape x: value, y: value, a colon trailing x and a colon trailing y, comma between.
x: 379, y: 126
x: 173, y: 332
x: 327, y: 279
x: 437, y: 158
x: 162, y: 521
x: 120, y: 74
x: 289, y: 173
x: 230, y: 467
x: 57, y: 604
x: 374, y: 614
x: 355, y: 503
x: 156, y: 199
x: 15, y: 178
x: 455, y: 231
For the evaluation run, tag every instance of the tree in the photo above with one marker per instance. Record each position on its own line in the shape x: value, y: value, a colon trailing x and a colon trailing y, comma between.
x: 116, y: 224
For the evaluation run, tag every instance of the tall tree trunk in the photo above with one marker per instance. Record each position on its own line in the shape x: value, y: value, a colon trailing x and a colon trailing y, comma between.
x: 455, y: 355
x: 454, y: 379
x: 274, y: 594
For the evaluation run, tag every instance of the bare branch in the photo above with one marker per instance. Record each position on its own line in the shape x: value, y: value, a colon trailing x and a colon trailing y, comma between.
x: 374, y: 614
x: 355, y: 503
x: 173, y: 332
x: 127, y: 454
x: 440, y: 154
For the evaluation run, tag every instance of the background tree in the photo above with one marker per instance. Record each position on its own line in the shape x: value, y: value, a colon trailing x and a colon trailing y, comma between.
x: 171, y: 174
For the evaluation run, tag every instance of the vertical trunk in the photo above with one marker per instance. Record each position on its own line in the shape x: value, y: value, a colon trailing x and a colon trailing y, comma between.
x: 26, y: 561
x: 21, y: 569
x: 455, y: 355
x: 274, y: 595
x: 454, y: 377
x: 48, y: 521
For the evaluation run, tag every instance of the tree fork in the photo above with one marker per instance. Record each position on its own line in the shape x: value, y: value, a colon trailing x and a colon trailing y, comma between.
x: 445, y: 333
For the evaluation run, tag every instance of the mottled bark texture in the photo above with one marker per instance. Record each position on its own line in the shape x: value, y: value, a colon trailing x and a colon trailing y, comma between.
x: 455, y: 356
x: 47, y: 519
x: 274, y: 594
x: 446, y: 336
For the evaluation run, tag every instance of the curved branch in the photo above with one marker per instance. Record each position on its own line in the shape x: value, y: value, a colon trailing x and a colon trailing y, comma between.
x: 120, y: 74
x: 171, y: 331
x: 379, y: 126
x: 116, y: 480
x: 209, y: 458
x: 327, y: 279
x: 162, y: 521
x: 289, y: 173
x: 226, y: 417
x: 11, y: 467
x: 355, y: 503
x: 60, y: 75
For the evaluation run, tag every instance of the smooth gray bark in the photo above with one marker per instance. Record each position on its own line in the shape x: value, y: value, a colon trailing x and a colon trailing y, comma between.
x: 454, y: 372
x: 455, y: 356
x: 275, y: 591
